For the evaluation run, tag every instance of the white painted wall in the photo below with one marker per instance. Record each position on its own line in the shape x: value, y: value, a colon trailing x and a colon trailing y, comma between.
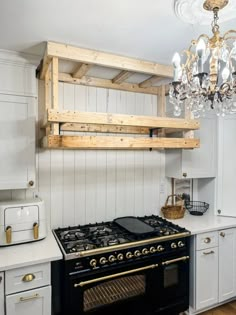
x: 88, y: 186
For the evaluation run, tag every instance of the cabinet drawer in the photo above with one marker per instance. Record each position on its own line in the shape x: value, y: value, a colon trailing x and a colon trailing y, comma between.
x: 207, y: 240
x: 36, y: 302
x: 27, y: 278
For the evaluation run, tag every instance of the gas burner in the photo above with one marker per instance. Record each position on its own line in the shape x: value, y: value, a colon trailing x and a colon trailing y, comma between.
x: 153, y: 222
x: 72, y: 235
x: 100, y: 230
x: 110, y: 240
x: 78, y: 246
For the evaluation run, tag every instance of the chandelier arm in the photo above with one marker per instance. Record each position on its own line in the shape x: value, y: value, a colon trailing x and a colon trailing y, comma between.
x: 230, y: 37
x: 229, y: 32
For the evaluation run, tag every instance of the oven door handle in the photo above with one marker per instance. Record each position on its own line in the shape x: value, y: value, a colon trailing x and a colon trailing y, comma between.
x: 168, y: 262
x: 83, y: 283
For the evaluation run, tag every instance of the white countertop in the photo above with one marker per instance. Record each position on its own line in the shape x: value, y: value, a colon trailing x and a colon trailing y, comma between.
x: 205, y: 223
x: 16, y: 256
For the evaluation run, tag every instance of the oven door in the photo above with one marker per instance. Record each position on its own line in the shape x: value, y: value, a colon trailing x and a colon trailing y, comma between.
x: 173, y: 285
x: 122, y: 291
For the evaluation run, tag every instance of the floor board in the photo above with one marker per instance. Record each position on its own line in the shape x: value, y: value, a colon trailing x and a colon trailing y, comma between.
x: 226, y: 309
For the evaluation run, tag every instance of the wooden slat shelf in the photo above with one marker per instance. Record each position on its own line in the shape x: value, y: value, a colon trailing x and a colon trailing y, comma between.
x: 153, y: 130
x: 114, y: 143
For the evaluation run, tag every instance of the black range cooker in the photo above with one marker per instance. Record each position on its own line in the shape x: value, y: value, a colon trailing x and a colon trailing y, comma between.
x: 132, y: 265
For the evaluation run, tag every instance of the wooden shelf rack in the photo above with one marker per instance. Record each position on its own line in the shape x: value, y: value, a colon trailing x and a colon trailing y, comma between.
x: 155, y: 132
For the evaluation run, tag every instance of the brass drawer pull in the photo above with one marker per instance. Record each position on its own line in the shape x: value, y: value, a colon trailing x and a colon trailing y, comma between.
x: 35, y: 296
x: 168, y: 262
x: 207, y: 240
x: 28, y: 278
x: 81, y: 284
x: 208, y: 253
x: 8, y: 234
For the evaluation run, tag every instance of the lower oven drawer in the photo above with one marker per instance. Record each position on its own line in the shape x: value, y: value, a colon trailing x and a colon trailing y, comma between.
x: 27, y: 278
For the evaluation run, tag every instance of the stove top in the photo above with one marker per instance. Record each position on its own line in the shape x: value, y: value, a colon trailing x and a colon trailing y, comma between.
x: 92, y: 237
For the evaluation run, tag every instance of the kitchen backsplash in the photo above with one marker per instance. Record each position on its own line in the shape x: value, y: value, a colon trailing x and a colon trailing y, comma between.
x: 88, y: 186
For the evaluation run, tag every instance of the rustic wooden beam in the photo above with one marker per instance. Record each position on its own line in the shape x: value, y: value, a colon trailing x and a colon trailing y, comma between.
x: 83, y: 55
x: 55, y: 128
x: 150, y: 81
x: 122, y: 76
x: 45, y: 64
x: 47, y: 97
x: 103, y: 128
x: 81, y: 70
x: 66, y: 116
x: 104, y: 83
x: 113, y: 143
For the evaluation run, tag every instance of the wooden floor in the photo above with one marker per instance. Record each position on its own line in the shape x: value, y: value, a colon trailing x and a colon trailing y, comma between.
x: 226, y: 309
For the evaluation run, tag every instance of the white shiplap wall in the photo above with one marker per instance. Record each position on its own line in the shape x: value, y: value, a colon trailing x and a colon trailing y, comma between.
x: 87, y: 186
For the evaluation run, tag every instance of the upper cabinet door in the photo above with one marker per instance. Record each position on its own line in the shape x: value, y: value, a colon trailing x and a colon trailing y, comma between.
x: 1, y: 293
x: 197, y: 163
x: 225, y: 197
x: 17, y: 142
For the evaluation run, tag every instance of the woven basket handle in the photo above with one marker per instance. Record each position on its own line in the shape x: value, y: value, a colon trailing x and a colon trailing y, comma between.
x: 177, y: 197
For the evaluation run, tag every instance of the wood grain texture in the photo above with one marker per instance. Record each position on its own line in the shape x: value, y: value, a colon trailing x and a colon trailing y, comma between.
x: 81, y: 70
x: 226, y: 309
x: 122, y: 76
x: 83, y: 55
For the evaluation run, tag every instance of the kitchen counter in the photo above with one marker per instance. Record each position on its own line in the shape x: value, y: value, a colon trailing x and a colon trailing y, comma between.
x: 205, y: 223
x: 16, y: 256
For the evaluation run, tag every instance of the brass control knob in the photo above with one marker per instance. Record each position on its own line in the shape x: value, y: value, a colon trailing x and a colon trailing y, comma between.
x: 112, y: 258
x: 152, y: 250
x: 181, y: 244
x: 137, y: 253
x: 160, y: 248
x: 103, y: 260
x: 120, y: 257
x: 145, y: 251
x: 93, y: 263
x: 129, y: 255
x: 173, y: 245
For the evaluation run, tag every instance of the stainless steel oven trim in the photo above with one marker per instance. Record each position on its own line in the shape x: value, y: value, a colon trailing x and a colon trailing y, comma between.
x: 83, y: 283
x: 120, y: 246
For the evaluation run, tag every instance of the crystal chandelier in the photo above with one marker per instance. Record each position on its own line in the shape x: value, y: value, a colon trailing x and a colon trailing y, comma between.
x: 205, y: 74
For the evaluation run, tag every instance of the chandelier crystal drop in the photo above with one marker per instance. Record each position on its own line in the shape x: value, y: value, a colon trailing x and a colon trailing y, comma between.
x: 205, y: 74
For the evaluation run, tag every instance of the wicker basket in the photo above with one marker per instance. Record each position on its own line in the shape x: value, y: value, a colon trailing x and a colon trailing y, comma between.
x: 174, y: 211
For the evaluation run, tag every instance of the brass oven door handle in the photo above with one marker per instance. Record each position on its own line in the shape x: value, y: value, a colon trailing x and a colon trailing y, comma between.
x: 28, y: 278
x: 8, y: 234
x: 27, y: 298
x: 81, y: 284
x: 168, y: 262
x: 36, y: 231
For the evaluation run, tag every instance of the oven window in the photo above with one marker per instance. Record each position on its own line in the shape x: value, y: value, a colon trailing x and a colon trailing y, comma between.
x: 171, y: 276
x: 113, y: 291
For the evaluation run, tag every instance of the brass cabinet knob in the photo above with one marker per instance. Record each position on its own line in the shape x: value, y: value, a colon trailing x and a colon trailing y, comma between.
x: 31, y: 183
x: 185, y: 174
x: 28, y: 278
x: 207, y: 240
x: 222, y: 234
x: 8, y: 234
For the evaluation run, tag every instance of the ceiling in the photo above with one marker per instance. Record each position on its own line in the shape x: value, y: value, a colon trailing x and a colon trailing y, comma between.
x: 143, y: 29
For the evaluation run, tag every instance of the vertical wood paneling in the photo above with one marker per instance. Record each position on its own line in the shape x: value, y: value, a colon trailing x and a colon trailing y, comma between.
x: 91, y: 186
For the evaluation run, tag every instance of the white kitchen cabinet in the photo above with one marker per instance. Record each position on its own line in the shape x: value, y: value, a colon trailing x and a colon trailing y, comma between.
x: 1, y: 293
x: 225, y: 202
x: 227, y: 264
x: 37, y: 302
x: 213, y: 260
x: 197, y: 163
x: 17, y: 142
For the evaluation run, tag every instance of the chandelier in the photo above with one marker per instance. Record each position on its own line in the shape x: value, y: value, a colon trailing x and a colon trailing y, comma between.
x: 205, y: 74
